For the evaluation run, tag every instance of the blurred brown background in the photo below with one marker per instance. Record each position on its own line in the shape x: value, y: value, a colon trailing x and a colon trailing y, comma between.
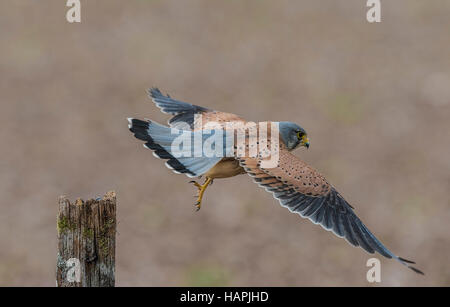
x: 375, y: 99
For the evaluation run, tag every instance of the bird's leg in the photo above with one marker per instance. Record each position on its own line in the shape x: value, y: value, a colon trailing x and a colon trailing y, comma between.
x: 201, y: 191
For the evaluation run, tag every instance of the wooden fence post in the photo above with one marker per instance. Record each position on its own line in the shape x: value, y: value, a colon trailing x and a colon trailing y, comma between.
x: 86, y: 242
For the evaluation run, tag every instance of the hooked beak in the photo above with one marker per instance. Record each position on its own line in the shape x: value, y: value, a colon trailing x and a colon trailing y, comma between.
x: 305, y: 141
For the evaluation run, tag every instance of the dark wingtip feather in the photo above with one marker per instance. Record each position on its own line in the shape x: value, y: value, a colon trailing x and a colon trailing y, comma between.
x: 153, y: 92
x: 416, y: 270
x: 139, y: 128
x: 406, y: 260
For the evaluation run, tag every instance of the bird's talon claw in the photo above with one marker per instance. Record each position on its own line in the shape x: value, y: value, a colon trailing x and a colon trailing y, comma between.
x: 201, y: 190
x: 196, y: 184
x: 197, y: 205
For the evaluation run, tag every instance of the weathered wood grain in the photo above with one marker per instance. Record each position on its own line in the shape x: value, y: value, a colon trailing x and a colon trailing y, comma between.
x: 86, y: 235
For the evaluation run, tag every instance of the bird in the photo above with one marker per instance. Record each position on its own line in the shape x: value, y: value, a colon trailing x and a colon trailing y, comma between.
x: 296, y: 185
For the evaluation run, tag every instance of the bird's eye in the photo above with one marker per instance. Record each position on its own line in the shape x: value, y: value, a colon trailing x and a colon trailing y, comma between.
x: 299, y: 135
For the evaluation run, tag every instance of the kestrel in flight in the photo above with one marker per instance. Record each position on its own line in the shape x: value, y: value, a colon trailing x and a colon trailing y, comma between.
x: 295, y: 184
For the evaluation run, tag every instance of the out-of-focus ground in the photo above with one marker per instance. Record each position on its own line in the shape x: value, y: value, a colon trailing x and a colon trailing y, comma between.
x: 375, y: 99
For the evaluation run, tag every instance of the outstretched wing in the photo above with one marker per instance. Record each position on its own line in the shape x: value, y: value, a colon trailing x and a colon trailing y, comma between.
x: 185, y: 113
x: 304, y: 191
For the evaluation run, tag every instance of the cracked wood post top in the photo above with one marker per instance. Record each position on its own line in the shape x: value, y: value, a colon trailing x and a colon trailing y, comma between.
x: 86, y: 242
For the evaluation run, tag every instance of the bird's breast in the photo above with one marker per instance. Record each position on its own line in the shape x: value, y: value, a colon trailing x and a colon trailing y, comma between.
x: 227, y: 167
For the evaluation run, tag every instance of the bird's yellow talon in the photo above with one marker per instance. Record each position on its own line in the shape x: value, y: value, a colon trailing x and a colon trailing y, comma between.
x: 201, y: 191
x: 197, y: 206
x: 196, y: 184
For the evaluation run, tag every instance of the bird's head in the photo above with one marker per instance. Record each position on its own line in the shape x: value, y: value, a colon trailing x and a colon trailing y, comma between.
x: 293, y: 135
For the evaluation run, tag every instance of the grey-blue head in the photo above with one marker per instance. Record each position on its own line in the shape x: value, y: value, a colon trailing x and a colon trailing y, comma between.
x: 293, y: 135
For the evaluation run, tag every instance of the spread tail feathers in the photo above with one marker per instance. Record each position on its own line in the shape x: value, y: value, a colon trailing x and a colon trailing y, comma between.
x: 160, y: 138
